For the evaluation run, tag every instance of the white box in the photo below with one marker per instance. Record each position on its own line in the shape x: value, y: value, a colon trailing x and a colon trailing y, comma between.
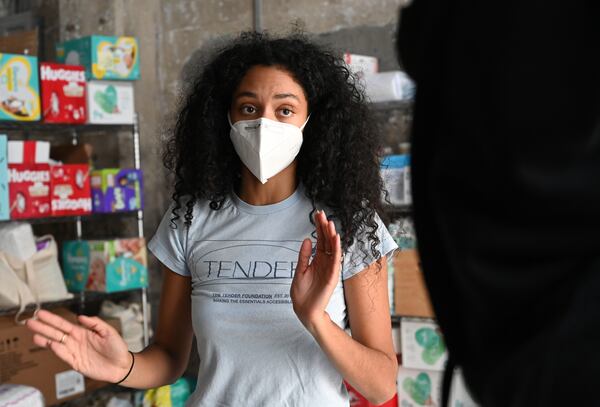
x: 459, y: 394
x: 17, y: 239
x: 388, y: 86
x: 423, y: 345
x: 361, y: 64
x: 419, y: 387
x: 110, y: 102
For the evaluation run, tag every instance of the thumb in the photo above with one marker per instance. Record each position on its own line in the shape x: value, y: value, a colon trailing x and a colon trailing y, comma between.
x: 95, y: 324
x: 304, y: 255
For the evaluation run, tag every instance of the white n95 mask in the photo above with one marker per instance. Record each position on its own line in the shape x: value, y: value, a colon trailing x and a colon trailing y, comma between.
x: 266, y: 146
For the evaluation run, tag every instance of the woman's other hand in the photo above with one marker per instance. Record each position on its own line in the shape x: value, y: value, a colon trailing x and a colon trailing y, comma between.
x: 314, y: 281
x: 94, y: 348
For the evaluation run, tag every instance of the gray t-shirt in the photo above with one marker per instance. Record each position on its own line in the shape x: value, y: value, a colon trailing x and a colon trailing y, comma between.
x: 253, y: 349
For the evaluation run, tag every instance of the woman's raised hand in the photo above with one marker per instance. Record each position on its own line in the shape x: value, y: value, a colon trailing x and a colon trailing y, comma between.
x: 314, y: 281
x: 94, y: 348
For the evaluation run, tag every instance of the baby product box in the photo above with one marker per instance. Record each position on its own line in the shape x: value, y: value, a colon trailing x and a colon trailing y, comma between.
x: 23, y: 362
x: 423, y: 345
x: 102, y: 56
x: 361, y: 64
x: 4, y: 208
x: 459, y: 393
x: 28, y: 179
x: 395, y: 172
x: 70, y: 192
x: 419, y: 388
x: 105, y: 265
x: 70, y: 188
x: 110, y: 102
x: 19, y: 89
x: 116, y: 190
x: 63, y: 93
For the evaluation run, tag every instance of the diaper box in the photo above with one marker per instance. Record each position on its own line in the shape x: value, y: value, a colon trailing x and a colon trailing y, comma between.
x: 105, y: 265
x: 4, y: 208
x: 104, y: 57
x: 19, y: 90
x: 70, y: 193
x: 361, y: 64
x: 110, y: 102
x: 70, y: 188
x: 419, y: 387
x: 28, y: 179
x: 63, y: 93
x: 116, y: 190
x: 423, y: 345
x: 395, y: 172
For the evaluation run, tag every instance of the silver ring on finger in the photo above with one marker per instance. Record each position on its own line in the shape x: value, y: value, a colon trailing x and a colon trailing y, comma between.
x: 64, y: 338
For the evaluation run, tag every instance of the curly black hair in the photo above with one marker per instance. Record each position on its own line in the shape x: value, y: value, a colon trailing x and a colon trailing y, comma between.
x: 338, y: 163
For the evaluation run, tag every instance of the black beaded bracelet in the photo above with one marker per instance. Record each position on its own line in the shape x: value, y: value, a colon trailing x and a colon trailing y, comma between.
x: 130, y: 369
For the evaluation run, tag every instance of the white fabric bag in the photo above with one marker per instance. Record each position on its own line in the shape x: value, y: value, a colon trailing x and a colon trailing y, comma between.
x: 14, y: 291
x: 35, y: 280
x: 48, y: 284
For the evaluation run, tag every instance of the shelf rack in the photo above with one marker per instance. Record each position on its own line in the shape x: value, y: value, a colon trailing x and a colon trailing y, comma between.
x: 74, y: 130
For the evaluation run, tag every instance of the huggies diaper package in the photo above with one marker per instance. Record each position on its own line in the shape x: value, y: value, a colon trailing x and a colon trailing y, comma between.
x: 63, y: 93
x: 29, y: 179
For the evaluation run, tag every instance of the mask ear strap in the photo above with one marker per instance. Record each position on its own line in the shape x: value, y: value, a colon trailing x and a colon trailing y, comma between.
x: 229, y: 120
x: 302, y: 128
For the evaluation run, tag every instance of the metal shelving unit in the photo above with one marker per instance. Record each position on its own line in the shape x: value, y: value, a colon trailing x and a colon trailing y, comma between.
x: 74, y: 131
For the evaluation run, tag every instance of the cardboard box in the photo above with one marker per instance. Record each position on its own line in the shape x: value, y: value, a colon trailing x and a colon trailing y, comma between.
x: 105, y: 265
x: 28, y: 179
x: 419, y: 387
x: 411, y: 297
x: 19, y: 88
x: 103, y: 57
x: 423, y: 345
x: 361, y: 64
x: 25, y: 363
x: 63, y: 93
x: 21, y: 42
x: 117, y: 190
x: 4, y: 207
x: 395, y: 172
x: 110, y: 102
x: 70, y: 188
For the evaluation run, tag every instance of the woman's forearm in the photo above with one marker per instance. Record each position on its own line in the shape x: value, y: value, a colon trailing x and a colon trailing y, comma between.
x: 369, y: 371
x: 153, y: 367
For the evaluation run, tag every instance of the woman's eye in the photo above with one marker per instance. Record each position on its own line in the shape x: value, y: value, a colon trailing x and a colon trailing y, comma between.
x: 286, y: 112
x: 248, y: 109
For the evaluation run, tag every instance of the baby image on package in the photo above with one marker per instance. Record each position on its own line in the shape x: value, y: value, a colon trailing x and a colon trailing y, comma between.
x: 105, y: 265
x: 19, y: 89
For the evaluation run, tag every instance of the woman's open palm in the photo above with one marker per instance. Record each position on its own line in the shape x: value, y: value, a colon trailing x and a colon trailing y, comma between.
x: 94, y: 348
x: 314, y: 281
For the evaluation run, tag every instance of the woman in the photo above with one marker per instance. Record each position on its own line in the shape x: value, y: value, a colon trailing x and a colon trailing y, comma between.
x: 273, y: 152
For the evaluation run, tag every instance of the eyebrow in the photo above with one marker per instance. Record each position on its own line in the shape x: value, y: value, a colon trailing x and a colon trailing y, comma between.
x: 277, y: 96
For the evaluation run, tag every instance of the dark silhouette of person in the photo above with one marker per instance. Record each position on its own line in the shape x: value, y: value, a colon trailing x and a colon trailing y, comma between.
x: 506, y: 183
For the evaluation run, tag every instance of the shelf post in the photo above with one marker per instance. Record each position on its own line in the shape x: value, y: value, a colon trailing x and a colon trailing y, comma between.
x: 140, y: 222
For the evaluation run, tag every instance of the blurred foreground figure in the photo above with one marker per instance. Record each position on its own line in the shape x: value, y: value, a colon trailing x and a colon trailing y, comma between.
x: 506, y: 165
